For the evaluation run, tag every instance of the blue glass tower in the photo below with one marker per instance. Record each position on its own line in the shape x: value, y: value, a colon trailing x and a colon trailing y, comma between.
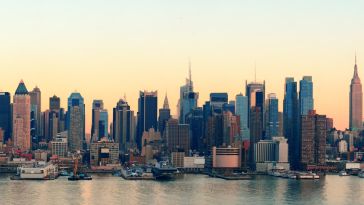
x: 76, y: 122
x: 242, y: 111
x: 291, y: 115
x: 5, y: 115
x: 306, y: 95
x: 272, y: 121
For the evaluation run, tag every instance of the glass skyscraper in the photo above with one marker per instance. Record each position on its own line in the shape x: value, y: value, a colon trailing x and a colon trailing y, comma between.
x: 242, y: 110
x: 272, y: 121
x: 291, y: 120
x: 5, y: 115
x: 306, y: 95
x: 147, y: 114
x: 188, y: 99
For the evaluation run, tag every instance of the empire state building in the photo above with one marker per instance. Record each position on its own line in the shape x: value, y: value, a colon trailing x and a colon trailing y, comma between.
x: 356, y: 101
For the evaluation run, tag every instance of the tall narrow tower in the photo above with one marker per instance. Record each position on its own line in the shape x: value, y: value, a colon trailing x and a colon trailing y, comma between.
x: 356, y: 101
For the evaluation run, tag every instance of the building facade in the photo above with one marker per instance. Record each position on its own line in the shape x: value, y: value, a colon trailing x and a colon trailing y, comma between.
x: 356, y: 102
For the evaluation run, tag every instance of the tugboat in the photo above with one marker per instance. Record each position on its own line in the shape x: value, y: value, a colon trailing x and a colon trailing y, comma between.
x: 164, y: 171
x: 75, y: 176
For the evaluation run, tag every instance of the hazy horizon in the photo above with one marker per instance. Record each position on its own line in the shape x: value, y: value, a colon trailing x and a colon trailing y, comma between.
x: 104, y: 50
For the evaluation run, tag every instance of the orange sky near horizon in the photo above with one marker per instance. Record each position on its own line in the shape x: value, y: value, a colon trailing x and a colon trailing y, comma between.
x: 104, y: 50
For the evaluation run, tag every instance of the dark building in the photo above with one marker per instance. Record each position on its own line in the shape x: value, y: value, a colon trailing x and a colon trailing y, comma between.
x: 178, y: 136
x: 256, y: 129
x: 147, y: 114
x: 123, y: 130
x: 217, y: 102
x: 196, y: 122
x: 54, y: 103
x: 164, y: 116
x: 5, y: 115
x: 313, y: 139
x: 291, y: 121
x: 256, y: 96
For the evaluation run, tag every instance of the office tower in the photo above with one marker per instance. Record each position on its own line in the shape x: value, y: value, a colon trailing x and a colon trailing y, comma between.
x: 256, y: 129
x: 21, y: 118
x: 272, y: 120
x: 356, y: 102
x: 231, y: 128
x: 274, y: 150
x: 36, y: 105
x: 5, y: 115
x: 306, y: 95
x: 147, y: 114
x: 164, y: 116
x: 280, y: 127
x: 217, y: 101
x: 214, y: 135
x: 76, y: 122
x: 196, y: 122
x: 178, y: 136
x: 188, y: 98
x: 100, y: 121
x: 54, y: 103
x: 229, y: 107
x: 123, y: 126
x: 242, y: 110
x: 291, y: 118
x: 313, y: 139
x: 256, y: 96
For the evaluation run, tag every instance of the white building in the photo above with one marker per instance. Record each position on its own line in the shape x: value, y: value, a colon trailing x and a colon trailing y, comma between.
x: 60, y: 144
x: 343, y: 146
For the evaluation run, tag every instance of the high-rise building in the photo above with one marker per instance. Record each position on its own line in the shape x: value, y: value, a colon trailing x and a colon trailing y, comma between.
x: 217, y: 101
x: 36, y: 106
x: 164, y: 116
x: 231, y: 128
x: 356, y: 102
x: 100, y: 121
x: 256, y: 97
x: 272, y: 120
x: 291, y: 120
x: 76, y: 122
x: 313, y: 139
x: 178, y: 136
x: 21, y: 118
x: 306, y: 95
x: 196, y: 122
x: 123, y: 126
x: 54, y: 103
x: 256, y: 129
x: 147, y: 114
x: 188, y: 98
x: 5, y: 115
x: 242, y: 110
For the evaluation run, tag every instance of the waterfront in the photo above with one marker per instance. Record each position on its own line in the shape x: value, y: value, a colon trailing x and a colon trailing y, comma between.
x: 191, y: 189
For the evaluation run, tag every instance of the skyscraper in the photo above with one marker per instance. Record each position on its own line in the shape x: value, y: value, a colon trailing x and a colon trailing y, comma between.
x: 36, y: 105
x: 147, y: 113
x: 54, y: 103
x: 272, y: 120
x: 306, y: 95
x: 100, y: 127
x: 178, y: 136
x: 313, y: 139
x: 254, y: 99
x: 291, y: 121
x: 76, y: 122
x: 196, y: 122
x: 242, y: 110
x: 21, y: 118
x: 356, y: 102
x: 188, y: 98
x: 5, y: 115
x: 164, y: 116
x: 123, y: 126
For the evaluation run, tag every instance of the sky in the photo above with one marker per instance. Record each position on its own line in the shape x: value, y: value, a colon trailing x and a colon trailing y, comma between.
x: 105, y: 49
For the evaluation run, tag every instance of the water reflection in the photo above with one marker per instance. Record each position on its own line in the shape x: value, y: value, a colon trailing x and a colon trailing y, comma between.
x: 192, y: 189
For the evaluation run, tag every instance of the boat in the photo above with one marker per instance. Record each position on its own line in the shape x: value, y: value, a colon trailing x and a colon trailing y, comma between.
x: 76, y: 175
x: 37, y: 171
x: 343, y: 173
x: 80, y: 176
x: 164, y: 171
x: 307, y: 175
x: 361, y: 174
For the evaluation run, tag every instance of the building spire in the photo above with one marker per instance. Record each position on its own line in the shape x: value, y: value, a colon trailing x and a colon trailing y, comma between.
x: 166, y: 104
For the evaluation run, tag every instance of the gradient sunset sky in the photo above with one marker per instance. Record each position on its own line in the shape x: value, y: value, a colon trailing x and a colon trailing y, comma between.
x: 104, y: 49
